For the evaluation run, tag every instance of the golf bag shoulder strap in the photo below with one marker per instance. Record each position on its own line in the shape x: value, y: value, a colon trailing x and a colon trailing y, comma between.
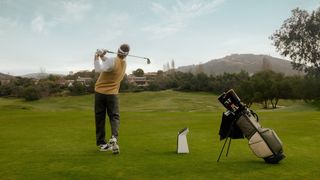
x: 255, y: 115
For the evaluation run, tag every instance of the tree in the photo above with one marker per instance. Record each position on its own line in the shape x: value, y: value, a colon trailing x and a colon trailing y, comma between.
x: 263, y: 81
x: 25, y: 82
x: 153, y: 86
x: 6, y: 89
x: 138, y: 73
x: 185, y: 81
x: 202, y: 82
x: 246, y: 92
x: 279, y: 89
x: 266, y: 86
x: 124, y: 85
x: 52, y: 77
x: 299, y: 39
x: 77, y: 88
x: 310, y: 88
x: 173, y: 66
x: 296, y: 84
x: 31, y: 93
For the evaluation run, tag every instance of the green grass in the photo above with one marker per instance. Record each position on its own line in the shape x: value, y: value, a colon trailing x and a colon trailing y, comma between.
x: 54, y: 139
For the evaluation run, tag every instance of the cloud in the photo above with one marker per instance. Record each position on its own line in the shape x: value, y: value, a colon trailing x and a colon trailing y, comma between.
x: 177, y: 17
x: 61, y: 12
x: 41, y: 25
x: 107, y: 31
x: 162, y: 30
x: 38, y: 24
x: 5, y: 2
x: 7, y: 25
x: 75, y: 10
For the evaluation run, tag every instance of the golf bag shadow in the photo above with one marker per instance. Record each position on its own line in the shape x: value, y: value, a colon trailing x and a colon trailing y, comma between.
x: 239, y: 121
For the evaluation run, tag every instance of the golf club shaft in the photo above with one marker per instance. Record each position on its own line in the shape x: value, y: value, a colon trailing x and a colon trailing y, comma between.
x: 148, y: 60
x: 127, y: 55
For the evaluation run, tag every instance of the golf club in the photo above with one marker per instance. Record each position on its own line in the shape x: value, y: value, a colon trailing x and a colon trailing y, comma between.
x: 107, y: 51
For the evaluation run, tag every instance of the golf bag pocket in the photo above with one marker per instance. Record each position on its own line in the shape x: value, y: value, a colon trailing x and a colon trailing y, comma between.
x: 259, y: 147
x: 265, y: 143
x: 271, y: 138
x: 248, y: 125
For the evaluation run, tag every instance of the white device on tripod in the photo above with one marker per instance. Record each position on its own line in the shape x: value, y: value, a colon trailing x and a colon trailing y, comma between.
x: 182, y: 144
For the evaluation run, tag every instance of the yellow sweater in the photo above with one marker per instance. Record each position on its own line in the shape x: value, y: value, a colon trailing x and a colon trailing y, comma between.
x: 109, y: 82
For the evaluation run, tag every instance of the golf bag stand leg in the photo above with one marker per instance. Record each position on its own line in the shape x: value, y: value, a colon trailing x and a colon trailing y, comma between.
x: 224, y: 144
x: 228, y: 147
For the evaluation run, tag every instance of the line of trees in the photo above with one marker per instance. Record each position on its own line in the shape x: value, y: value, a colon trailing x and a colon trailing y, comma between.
x: 33, y: 89
x: 30, y: 89
x: 265, y: 87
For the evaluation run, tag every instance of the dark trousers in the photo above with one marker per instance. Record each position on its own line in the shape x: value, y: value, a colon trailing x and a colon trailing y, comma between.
x: 106, y: 104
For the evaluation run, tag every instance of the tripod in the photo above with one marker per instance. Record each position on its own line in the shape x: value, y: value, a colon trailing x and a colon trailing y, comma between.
x: 224, y: 144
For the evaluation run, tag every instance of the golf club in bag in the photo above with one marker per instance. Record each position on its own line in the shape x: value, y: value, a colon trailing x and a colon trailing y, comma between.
x: 107, y: 51
x: 239, y: 121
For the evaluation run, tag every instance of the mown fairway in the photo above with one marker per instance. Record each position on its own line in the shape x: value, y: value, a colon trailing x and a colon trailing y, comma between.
x: 54, y: 139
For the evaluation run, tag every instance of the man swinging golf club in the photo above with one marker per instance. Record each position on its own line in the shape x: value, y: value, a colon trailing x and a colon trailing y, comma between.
x: 112, y: 71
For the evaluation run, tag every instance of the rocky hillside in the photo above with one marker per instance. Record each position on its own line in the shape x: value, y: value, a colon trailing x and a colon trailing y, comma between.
x: 5, y: 76
x: 237, y: 62
x: 36, y: 75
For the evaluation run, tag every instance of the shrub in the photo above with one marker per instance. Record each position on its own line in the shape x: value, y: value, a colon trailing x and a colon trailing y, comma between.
x: 77, y: 89
x: 31, y: 94
x: 5, y: 90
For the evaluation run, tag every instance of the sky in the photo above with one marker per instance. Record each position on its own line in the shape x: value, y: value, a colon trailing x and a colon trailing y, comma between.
x: 62, y: 35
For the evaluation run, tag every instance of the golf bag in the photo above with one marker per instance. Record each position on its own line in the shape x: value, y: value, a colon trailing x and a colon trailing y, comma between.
x: 239, y: 120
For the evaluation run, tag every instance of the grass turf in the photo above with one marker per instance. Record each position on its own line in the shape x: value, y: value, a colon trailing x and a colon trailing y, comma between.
x: 54, y: 139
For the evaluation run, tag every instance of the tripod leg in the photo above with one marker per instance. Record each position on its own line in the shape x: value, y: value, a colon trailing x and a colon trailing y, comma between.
x: 228, y: 147
x: 222, y: 148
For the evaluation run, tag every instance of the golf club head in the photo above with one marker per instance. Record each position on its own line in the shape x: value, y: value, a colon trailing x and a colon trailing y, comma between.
x: 148, y: 61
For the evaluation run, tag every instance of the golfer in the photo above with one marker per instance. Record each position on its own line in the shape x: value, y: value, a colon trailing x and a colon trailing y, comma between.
x: 112, y: 71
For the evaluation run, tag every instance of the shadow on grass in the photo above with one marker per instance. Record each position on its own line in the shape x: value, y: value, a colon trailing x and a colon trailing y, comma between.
x: 171, y: 153
x: 16, y: 107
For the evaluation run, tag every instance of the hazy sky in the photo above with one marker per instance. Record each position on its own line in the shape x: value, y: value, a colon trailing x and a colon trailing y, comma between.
x: 62, y: 35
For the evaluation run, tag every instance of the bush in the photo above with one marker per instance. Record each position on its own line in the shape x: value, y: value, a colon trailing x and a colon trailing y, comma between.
x: 5, y: 90
x: 153, y: 86
x: 31, y: 94
x: 77, y: 89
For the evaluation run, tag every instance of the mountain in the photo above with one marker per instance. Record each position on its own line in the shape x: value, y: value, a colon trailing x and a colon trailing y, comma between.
x: 5, y: 76
x: 39, y: 75
x: 236, y: 62
x: 35, y: 75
